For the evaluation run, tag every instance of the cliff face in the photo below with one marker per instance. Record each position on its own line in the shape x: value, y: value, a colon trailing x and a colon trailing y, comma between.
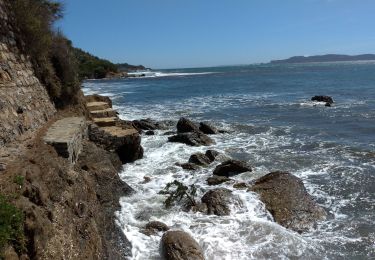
x: 24, y: 102
x: 68, y: 208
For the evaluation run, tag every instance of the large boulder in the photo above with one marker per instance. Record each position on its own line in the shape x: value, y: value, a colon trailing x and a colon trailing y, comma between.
x: 208, y: 129
x: 188, y: 166
x: 218, y: 201
x: 193, y: 139
x: 231, y: 168
x: 199, y: 159
x: 179, y: 245
x: 326, y: 99
x: 184, y: 125
x: 287, y: 200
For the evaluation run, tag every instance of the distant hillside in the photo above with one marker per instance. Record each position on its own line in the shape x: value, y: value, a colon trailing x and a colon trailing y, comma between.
x: 92, y: 67
x: 125, y: 67
x: 326, y: 58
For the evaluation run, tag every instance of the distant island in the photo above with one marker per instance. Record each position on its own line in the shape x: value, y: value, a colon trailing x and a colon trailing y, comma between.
x: 326, y: 58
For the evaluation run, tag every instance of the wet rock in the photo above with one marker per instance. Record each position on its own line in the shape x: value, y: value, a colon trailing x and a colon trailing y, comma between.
x: 170, y: 133
x: 146, y: 179
x: 327, y: 104
x: 153, y: 227
x: 216, y: 180
x: 199, y: 159
x: 212, y: 154
x: 150, y: 133
x: 147, y: 124
x: 179, y: 245
x: 189, y: 166
x: 184, y: 125
x: 218, y: 201
x: 192, y: 139
x: 287, y: 200
x: 231, y: 168
x: 199, y: 207
x: 326, y: 99
x: 241, y: 186
x: 208, y: 129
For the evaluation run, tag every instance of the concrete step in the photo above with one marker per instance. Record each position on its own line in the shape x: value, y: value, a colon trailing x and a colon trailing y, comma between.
x: 105, y: 121
x: 118, y: 131
x: 66, y: 136
x: 95, y: 106
x: 109, y: 112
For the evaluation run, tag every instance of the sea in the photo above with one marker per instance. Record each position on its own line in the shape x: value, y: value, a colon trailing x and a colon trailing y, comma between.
x: 272, y: 124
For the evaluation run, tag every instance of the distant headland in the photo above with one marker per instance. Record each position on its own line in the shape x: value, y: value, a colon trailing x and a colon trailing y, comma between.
x: 326, y: 58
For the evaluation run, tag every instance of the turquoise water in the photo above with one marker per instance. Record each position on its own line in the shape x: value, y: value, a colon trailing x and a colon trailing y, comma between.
x: 275, y: 127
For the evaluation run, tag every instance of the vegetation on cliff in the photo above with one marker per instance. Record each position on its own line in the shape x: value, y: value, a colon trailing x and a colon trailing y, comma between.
x: 11, y: 226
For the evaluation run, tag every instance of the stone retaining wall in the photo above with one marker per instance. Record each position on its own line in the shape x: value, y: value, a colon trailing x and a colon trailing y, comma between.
x: 24, y: 102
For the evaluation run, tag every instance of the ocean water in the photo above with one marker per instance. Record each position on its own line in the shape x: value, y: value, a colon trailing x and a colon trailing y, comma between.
x: 274, y: 126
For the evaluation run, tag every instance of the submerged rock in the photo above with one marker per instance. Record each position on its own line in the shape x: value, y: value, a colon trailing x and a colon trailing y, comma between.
x: 150, y: 132
x: 184, y: 125
x: 208, y: 129
x: 231, y: 168
x: 216, y: 180
x: 326, y: 99
x: 287, y: 200
x: 199, y: 159
x: 153, y: 227
x: 192, y: 139
x: 179, y: 245
x: 189, y: 166
x: 218, y: 201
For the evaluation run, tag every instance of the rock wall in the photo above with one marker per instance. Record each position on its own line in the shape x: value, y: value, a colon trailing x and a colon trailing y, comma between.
x: 24, y: 102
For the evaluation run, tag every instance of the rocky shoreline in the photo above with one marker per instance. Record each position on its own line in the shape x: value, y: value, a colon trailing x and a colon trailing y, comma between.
x: 283, y: 194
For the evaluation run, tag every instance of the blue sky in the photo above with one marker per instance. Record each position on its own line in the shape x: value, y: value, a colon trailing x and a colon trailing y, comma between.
x: 198, y: 33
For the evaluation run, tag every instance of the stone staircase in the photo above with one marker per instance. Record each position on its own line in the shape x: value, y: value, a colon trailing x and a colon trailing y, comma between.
x: 108, y: 131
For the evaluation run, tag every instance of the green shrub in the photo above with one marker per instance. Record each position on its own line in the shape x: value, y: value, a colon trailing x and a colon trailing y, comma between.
x: 177, y: 191
x: 19, y: 180
x: 11, y: 226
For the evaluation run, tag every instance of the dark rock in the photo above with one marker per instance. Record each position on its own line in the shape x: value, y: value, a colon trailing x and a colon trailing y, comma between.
x: 287, y: 200
x: 189, y: 166
x: 153, y: 227
x: 216, y: 180
x: 170, y: 133
x: 199, y: 207
x: 212, y: 154
x: 146, y: 124
x: 326, y: 99
x: 2, y: 167
x: 241, y: 185
x: 218, y: 201
x: 179, y: 245
x: 184, y: 125
x: 231, y: 168
x: 193, y: 139
x: 150, y: 133
x: 199, y: 159
x: 327, y: 104
x: 146, y: 179
x: 208, y: 129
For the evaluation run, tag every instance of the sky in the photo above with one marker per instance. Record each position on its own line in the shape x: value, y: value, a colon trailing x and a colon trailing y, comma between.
x: 203, y: 33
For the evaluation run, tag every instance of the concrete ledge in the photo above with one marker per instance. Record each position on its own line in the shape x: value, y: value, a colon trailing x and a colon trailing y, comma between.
x: 105, y: 121
x: 109, y: 112
x: 66, y: 136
